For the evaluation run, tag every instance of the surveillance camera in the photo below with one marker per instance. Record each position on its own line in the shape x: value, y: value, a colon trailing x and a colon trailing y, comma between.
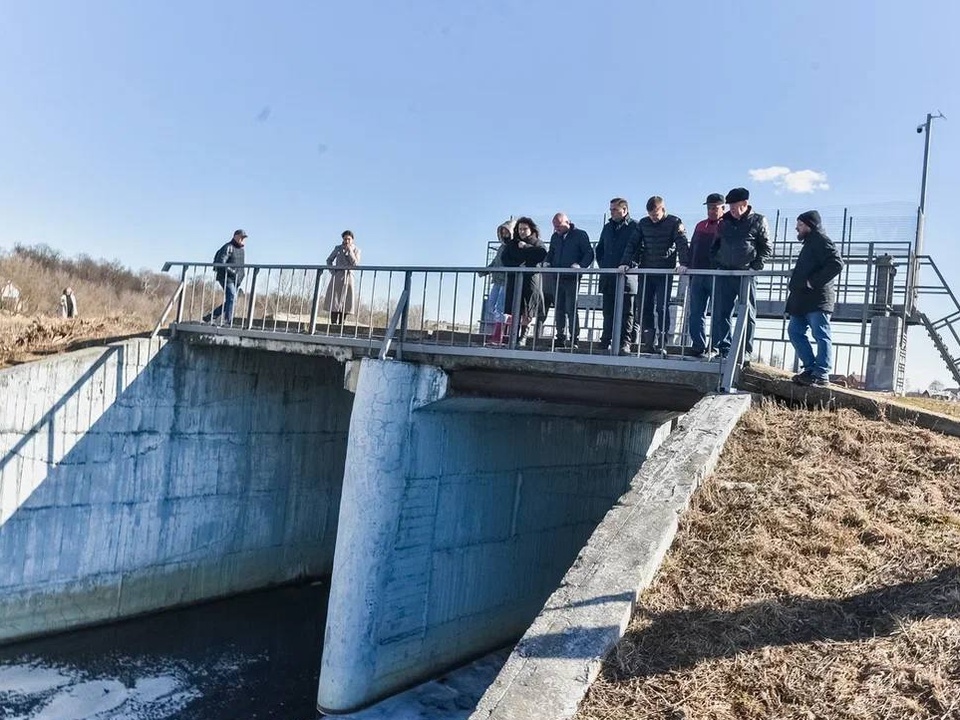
x: 919, y: 128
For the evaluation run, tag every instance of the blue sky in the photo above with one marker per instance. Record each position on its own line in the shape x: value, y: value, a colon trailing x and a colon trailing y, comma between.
x: 147, y: 132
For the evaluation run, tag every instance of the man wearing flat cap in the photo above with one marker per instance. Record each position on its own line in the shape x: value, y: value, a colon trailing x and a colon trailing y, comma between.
x: 229, y: 274
x: 742, y: 243
x: 701, y: 286
x: 811, y: 299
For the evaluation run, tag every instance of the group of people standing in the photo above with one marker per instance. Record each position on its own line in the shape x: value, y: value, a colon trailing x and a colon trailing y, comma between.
x: 339, y: 298
x: 732, y: 237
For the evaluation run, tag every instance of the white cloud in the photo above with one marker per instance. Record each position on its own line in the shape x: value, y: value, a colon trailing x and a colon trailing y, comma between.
x: 799, y: 181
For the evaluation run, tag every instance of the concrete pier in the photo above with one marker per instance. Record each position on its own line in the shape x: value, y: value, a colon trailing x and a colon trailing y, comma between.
x: 458, y: 518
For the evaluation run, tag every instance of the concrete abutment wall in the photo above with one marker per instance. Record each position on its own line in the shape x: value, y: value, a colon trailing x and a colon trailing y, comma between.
x: 146, y: 475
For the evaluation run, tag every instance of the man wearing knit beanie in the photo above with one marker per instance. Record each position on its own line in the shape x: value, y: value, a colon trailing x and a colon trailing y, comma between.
x: 811, y: 300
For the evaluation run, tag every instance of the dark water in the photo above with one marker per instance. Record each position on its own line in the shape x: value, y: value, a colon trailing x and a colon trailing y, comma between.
x: 254, y: 656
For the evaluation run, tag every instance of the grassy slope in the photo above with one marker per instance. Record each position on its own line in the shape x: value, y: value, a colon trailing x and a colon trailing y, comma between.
x: 816, y: 576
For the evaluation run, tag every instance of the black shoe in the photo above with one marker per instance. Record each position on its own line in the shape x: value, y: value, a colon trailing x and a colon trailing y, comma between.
x: 648, y: 348
x: 812, y: 381
x: 801, y: 377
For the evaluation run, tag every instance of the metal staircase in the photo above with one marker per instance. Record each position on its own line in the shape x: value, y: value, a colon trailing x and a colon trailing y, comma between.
x: 944, y: 332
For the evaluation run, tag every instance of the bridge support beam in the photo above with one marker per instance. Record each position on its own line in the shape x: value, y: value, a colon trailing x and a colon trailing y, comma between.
x: 458, y: 518
x: 883, y: 355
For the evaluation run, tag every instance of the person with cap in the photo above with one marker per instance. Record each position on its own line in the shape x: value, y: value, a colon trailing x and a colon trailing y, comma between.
x: 660, y: 243
x: 701, y: 286
x: 229, y: 272
x: 812, y: 298
x: 617, y: 234
x: 742, y: 243
x: 569, y: 248
x: 339, y: 299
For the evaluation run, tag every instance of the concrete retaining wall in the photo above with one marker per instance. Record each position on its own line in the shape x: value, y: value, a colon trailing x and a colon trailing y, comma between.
x: 459, y: 517
x: 146, y: 475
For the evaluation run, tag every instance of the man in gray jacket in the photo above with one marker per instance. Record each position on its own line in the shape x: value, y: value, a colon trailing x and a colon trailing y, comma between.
x: 569, y: 248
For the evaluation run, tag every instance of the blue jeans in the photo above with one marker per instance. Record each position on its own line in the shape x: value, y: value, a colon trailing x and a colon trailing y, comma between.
x: 226, y: 308
x: 493, y: 310
x: 819, y: 324
x: 701, y: 288
x: 726, y: 294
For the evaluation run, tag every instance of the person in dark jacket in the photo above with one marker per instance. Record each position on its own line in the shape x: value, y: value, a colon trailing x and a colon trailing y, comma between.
x: 701, y: 286
x: 811, y: 299
x: 525, y: 249
x: 616, y: 235
x: 660, y: 242
x: 229, y: 276
x: 742, y: 243
x: 569, y: 248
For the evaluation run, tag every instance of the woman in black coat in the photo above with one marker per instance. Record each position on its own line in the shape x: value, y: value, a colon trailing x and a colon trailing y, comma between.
x: 525, y: 249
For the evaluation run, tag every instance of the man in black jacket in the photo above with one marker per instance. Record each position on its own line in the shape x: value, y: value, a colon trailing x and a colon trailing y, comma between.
x: 569, y: 248
x: 617, y: 234
x: 742, y: 243
x: 811, y: 299
x: 660, y: 242
x: 229, y: 275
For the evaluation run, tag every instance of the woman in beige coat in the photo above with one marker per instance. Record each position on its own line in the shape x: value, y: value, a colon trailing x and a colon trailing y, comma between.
x: 339, y: 299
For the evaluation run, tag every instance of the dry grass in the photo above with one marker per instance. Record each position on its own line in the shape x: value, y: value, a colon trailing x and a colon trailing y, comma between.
x: 23, y: 339
x: 816, y: 576
x: 944, y: 407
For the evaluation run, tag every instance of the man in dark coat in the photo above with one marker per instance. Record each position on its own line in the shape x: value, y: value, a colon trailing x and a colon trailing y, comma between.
x: 569, y: 248
x: 811, y: 299
x: 660, y: 242
x: 229, y: 275
x: 742, y: 243
x: 616, y: 235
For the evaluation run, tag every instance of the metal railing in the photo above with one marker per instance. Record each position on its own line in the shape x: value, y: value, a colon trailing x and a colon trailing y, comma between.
x: 389, y: 311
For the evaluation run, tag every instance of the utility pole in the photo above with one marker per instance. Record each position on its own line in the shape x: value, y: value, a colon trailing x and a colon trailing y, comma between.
x: 921, y: 210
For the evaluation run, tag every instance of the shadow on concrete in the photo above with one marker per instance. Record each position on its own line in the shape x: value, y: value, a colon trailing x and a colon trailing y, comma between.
x: 165, y: 463
x: 679, y: 640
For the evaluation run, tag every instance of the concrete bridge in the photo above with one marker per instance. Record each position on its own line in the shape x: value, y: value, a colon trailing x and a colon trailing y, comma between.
x: 459, y: 495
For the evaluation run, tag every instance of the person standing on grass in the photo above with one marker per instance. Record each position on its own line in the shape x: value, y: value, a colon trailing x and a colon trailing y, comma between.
x: 229, y: 275
x: 569, y: 248
x: 812, y: 298
x: 68, y: 304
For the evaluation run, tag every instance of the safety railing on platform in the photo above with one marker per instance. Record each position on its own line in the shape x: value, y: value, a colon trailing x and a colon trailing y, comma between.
x: 443, y: 310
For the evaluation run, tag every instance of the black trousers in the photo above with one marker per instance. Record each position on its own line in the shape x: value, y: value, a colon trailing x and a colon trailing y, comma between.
x: 626, y: 322
x: 565, y: 311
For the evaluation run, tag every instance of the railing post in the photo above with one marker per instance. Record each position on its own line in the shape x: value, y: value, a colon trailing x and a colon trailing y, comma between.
x: 515, y: 310
x: 616, y: 338
x: 253, y: 298
x: 404, y: 317
x: 183, y: 282
x: 315, y: 309
x: 729, y: 364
